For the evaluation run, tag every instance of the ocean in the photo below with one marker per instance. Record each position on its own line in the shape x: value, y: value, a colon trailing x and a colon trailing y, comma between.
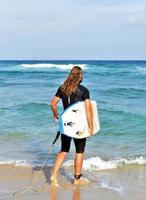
x: 27, y: 128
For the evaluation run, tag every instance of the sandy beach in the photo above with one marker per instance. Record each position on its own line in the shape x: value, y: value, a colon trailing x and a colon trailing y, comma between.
x: 115, y: 159
x: 15, y: 182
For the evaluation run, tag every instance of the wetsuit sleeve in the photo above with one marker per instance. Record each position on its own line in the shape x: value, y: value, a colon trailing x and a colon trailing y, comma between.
x: 86, y: 94
x: 59, y: 93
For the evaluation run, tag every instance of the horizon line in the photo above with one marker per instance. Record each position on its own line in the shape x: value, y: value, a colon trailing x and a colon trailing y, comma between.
x: 72, y: 59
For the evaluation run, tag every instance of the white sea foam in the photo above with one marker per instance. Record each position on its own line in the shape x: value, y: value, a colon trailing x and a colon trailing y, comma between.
x: 50, y: 65
x: 96, y: 163
x: 104, y: 184
x: 141, y: 69
x: 14, y: 162
x: 93, y: 163
x: 137, y: 160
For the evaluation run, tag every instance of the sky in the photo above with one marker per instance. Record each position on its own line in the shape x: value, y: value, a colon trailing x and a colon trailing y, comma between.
x: 72, y: 29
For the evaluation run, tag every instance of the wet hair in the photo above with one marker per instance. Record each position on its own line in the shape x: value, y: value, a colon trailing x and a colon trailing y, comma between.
x: 73, y: 80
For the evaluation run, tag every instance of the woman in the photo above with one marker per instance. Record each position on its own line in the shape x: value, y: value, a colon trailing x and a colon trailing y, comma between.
x: 70, y: 92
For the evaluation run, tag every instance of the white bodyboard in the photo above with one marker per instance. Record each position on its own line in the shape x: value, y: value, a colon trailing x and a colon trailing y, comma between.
x: 73, y: 121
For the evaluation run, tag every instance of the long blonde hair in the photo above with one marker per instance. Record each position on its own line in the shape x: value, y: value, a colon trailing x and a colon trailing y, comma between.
x: 74, y: 78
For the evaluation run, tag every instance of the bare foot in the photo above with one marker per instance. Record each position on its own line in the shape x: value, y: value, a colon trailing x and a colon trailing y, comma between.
x: 81, y: 181
x: 76, y: 182
x: 53, y: 181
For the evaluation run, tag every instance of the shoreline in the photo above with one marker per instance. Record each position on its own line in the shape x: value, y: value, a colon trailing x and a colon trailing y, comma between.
x: 115, y: 184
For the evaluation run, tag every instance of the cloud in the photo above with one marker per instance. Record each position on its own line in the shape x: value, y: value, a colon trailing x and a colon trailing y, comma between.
x: 79, y: 27
x: 28, y: 10
x: 28, y: 18
x: 138, y: 20
x: 68, y: 13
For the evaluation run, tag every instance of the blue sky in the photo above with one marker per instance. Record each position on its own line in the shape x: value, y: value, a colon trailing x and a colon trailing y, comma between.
x: 72, y: 29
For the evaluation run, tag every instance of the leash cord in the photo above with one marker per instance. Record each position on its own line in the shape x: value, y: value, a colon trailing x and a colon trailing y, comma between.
x: 44, y: 163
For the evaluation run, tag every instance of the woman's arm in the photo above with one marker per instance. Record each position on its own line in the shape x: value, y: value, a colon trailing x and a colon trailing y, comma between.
x: 89, y: 115
x: 54, y: 102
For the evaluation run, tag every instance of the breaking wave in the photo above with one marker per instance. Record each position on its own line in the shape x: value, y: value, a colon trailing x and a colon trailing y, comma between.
x: 97, y: 163
x: 93, y: 163
x: 50, y: 65
x: 141, y: 70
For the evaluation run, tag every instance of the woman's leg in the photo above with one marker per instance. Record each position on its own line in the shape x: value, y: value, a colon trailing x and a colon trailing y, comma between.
x: 78, y: 162
x: 59, y: 160
x: 65, y: 147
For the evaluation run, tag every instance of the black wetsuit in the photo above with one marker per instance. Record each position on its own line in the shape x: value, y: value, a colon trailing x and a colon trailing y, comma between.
x: 81, y: 94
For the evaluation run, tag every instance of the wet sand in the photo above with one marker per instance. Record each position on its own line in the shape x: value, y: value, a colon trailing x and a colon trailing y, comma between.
x: 15, y: 182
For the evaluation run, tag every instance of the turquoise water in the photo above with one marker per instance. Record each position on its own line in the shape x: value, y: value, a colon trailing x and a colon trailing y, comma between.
x: 26, y: 122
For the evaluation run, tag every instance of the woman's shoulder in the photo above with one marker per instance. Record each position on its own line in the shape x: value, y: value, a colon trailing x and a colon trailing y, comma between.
x: 82, y: 87
x: 60, y: 90
x: 60, y: 87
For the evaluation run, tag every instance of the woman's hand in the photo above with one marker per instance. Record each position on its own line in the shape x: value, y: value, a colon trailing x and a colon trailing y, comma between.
x: 89, y: 115
x: 90, y: 132
x: 56, y: 117
x: 54, y: 102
